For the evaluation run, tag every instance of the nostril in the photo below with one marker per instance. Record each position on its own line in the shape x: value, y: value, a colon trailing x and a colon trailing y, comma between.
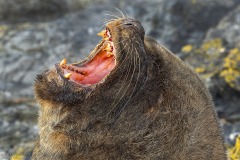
x: 128, y: 24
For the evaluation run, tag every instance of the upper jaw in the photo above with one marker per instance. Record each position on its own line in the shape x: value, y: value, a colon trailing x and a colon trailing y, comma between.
x: 95, y: 68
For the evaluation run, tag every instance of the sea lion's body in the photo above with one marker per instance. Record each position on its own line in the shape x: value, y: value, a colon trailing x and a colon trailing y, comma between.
x: 151, y: 106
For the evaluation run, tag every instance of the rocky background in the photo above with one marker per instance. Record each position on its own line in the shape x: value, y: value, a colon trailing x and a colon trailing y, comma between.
x: 36, y: 34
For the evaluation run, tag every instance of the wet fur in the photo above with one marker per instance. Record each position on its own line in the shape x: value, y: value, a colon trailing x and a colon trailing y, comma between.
x: 152, y: 106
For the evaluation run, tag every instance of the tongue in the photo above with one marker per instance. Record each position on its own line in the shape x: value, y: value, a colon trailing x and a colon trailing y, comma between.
x: 95, y: 70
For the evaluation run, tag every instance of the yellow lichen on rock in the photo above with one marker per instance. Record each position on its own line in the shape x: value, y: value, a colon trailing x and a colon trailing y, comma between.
x: 206, y: 59
x: 212, y: 58
x: 17, y: 157
x: 187, y: 48
x: 194, y: 2
x: 234, y: 152
x: 3, y: 29
x: 214, y: 43
x: 199, y: 70
x: 231, y: 71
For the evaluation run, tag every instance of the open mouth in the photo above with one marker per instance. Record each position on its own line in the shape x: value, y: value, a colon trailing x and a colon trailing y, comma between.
x: 98, y: 65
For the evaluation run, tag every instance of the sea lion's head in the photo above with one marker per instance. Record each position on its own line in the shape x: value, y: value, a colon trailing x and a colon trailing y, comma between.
x: 118, y: 55
x: 129, y: 99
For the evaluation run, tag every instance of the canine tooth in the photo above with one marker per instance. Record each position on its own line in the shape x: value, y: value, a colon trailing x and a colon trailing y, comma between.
x: 108, y: 47
x: 67, y: 75
x: 63, y: 62
x: 109, y: 54
x: 106, y: 38
x: 102, y: 33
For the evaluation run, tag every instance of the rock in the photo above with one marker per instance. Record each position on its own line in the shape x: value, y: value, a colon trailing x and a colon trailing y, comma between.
x: 231, y: 132
x: 25, y: 10
x: 178, y: 22
x: 13, y: 9
x: 228, y: 29
x: 17, y: 123
x: 217, y: 57
x: 226, y: 94
x: 4, y: 155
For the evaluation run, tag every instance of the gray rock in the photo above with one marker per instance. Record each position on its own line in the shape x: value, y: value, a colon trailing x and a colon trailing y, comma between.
x: 228, y: 29
x: 25, y: 10
x: 226, y: 99
x: 180, y: 22
x: 231, y: 131
x: 17, y: 126
x: 3, y: 155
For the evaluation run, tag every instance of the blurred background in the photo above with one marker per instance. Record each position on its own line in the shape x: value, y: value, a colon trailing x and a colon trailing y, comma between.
x: 36, y: 34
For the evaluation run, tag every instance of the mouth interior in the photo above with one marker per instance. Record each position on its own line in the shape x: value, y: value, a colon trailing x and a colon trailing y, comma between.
x: 95, y: 69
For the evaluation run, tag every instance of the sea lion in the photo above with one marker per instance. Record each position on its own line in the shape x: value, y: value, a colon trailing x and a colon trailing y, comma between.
x: 131, y: 98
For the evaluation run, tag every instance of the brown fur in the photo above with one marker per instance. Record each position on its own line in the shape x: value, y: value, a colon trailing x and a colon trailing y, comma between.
x: 151, y: 106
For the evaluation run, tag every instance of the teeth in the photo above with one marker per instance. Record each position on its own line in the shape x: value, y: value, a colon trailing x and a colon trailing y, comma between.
x: 63, y: 62
x: 67, y: 75
x: 106, y: 38
x: 108, y: 48
x: 108, y: 34
x: 102, y: 33
x: 109, y: 54
x: 83, y: 73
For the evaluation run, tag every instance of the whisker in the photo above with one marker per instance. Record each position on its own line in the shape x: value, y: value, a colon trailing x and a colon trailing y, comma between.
x: 134, y: 68
x: 139, y: 68
x: 104, y: 22
x: 119, y: 65
x: 101, y: 28
x: 127, y: 15
x: 125, y: 80
x: 123, y: 16
x: 120, y: 88
x: 120, y: 41
x: 140, y: 46
x: 108, y: 13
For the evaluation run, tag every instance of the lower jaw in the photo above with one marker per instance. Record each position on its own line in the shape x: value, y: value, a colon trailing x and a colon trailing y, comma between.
x: 93, y: 71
